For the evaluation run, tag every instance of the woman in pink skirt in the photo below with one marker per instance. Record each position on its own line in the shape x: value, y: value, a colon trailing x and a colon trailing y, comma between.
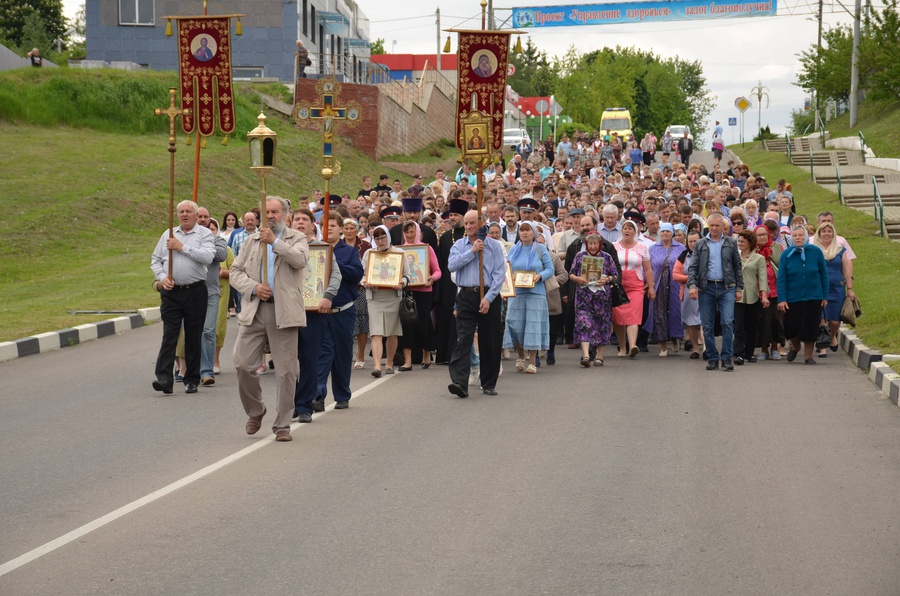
x: 636, y: 277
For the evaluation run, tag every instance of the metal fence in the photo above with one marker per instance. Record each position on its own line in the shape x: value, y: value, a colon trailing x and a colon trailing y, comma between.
x: 879, y: 207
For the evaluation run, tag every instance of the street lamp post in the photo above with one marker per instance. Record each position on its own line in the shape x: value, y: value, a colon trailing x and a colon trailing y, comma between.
x: 263, y: 145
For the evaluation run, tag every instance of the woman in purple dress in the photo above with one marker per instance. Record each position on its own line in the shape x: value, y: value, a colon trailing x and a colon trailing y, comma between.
x: 664, y: 320
x: 593, y: 300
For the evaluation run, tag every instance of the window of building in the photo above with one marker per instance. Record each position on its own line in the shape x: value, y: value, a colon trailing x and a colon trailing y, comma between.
x: 136, y: 12
x: 305, y: 18
x: 312, y: 17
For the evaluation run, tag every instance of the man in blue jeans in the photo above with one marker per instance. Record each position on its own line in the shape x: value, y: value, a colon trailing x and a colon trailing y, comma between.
x: 715, y: 277
x: 208, y: 339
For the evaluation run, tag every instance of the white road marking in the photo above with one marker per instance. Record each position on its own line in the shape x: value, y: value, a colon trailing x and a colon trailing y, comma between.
x: 158, y: 494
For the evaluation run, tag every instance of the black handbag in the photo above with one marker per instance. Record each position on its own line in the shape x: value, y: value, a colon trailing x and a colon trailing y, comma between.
x: 408, y: 312
x: 823, y: 339
x: 619, y: 296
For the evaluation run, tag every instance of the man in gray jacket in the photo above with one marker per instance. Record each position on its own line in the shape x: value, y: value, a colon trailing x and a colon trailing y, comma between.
x: 715, y: 277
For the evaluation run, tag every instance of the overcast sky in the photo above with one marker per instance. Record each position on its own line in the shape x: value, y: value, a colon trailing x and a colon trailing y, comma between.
x: 736, y: 54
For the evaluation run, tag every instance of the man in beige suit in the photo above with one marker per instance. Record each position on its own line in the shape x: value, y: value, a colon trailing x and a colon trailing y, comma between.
x: 271, y: 309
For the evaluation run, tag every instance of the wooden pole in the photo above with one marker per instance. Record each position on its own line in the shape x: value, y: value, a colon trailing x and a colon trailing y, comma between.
x: 327, y: 209
x: 172, y: 112
x: 479, y: 195
x: 264, y: 223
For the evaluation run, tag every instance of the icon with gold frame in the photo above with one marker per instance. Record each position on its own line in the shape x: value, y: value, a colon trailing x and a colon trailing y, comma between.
x: 476, y: 136
x: 384, y: 269
x: 524, y: 279
x: 508, y: 290
x: 417, y: 258
x: 317, y: 276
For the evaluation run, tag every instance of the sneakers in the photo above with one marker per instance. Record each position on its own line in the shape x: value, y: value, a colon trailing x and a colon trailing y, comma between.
x: 776, y: 355
x: 474, y: 377
x: 261, y: 370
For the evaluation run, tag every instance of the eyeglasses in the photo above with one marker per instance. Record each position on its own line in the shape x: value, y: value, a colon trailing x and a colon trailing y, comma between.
x: 737, y: 223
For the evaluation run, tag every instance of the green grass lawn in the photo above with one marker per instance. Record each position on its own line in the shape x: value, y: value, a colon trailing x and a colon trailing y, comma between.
x: 879, y: 122
x: 877, y: 266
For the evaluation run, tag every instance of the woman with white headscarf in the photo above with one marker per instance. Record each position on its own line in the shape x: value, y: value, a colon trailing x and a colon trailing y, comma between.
x: 840, y: 278
x: 802, y: 293
x: 384, y: 304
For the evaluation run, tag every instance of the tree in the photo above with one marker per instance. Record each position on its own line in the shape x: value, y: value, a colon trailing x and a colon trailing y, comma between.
x: 534, y: 77
x: 376, y: 48
x: 825, y: 71
x: 14, y: 17
x: 882, y: 53
x: 802, y: 121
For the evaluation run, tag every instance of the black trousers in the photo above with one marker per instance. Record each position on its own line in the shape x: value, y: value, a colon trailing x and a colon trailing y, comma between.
x: 745, y: 323
x: 643, y: 338
x: 181, y: 306
x: 468, y: 319
x: 556, y: 324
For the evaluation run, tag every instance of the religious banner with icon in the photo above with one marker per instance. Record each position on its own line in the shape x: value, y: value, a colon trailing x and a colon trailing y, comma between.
x: 204, y: 59
x: 482, y: 67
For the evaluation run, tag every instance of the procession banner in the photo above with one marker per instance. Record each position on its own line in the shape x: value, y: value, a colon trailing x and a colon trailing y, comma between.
x: 482, y: 66
x: 637, y: 12
x: 204, y: 59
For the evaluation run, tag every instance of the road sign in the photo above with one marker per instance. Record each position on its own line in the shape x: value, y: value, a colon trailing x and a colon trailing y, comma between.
x: 510, y: 70
x: 732, y: 122
x: 541, y: 106
x: 742, y: 103
x: 556, y: 109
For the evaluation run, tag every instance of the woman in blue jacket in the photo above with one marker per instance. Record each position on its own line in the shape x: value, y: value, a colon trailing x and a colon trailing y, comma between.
x: 527, y: 314
x: 802, y: 293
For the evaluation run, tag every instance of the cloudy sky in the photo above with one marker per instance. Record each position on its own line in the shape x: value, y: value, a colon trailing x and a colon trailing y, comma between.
x: 736, y: 54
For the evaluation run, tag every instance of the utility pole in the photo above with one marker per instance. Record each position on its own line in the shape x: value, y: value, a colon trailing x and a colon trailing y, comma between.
x: 854, y: 69
x: 437, y: 13
x: 819, y: 59
x: 490, y: 15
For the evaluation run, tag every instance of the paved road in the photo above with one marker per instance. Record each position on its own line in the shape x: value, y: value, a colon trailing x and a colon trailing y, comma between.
x: 650, y: 476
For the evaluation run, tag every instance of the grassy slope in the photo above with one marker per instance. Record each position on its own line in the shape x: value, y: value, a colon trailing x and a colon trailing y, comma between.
x: 880, y: 123
x: 83, y: 208
x: 877, y: 266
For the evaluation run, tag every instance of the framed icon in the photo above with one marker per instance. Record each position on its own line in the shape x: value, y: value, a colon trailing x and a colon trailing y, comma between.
x: 508, y: 290
x: 417, y: 258
x: 475, y: 138
x: 524, y: 279
x: 384, y: 269
x: 318, y: 273
x: 592, y: 268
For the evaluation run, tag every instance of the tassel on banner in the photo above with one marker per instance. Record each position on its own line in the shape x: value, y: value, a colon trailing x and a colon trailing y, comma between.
x: 187, y: 140
x: 169, y: 32
x: 238, y: 30
x: 447, y: 45
x: 518, y: 49
x: 203, y: 143
x: 225, y: 141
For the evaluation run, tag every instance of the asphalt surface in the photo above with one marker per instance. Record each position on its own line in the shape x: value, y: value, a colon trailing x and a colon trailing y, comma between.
x: 645, y: 476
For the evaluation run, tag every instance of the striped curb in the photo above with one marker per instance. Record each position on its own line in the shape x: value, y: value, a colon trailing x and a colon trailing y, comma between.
x: 870, y: 362
x: 64, y: 338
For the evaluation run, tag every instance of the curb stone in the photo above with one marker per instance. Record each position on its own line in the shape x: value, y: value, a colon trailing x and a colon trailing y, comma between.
x: 64, y: 338
x: 870, y: 362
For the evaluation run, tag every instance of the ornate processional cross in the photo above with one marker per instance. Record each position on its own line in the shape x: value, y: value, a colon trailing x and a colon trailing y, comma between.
x: 329, y: 114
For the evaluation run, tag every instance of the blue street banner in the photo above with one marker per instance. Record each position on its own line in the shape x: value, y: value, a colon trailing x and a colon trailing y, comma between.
x: 637, y: 12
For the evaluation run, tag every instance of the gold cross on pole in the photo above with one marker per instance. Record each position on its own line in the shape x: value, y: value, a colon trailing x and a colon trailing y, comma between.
x: 329, y: 114
x: 172, y: 112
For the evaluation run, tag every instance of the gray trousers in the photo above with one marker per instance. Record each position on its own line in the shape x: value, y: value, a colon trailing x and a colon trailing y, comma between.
x: 248, y: 354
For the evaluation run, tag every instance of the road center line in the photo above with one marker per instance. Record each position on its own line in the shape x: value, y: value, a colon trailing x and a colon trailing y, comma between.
x: 110, y: 517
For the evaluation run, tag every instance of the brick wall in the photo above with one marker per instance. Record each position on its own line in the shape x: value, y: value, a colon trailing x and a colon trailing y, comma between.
x: 392, y: 126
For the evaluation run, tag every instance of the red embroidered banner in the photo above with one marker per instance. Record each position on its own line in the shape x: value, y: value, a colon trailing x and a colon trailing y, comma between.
x: 482, y: 66
x: 204, y: 59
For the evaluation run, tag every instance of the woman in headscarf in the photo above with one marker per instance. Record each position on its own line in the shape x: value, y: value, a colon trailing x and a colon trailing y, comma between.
x: 527, y: 315
x: 840, y: 278
x: 637, y: 276
x: 384, y: 304
x: 802, y: 293
x: 770, y: 328
x: 664, y: 319
x: 690, y: 309
x: 419, y: 335
x: 593, y: 300
x: 755, y: 294
x: 361, y: 328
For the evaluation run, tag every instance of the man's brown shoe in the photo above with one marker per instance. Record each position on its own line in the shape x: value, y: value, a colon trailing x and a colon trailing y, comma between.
x: 207, y: 381
x: 283, y: 435
x: 254, y: 423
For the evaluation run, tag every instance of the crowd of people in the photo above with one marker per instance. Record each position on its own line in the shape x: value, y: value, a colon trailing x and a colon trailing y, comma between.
x: 578, y: 248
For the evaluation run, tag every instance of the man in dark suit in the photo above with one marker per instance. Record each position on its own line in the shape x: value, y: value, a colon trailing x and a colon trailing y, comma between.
x: 685, y: 148
x: 446, y: 331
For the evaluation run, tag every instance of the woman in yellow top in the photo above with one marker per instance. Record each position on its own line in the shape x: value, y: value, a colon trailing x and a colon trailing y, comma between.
x: 224, y: 290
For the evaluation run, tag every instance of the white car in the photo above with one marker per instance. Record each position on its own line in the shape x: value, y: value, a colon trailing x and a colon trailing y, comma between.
x: 514, y: 136
x: 677, y: 131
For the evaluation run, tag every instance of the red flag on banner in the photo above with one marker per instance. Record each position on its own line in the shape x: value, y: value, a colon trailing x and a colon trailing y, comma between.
x: 204, y: 59
x: 482, y: 67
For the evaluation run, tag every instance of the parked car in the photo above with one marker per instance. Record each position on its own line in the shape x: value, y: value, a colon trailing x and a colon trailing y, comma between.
x: 677, y: 131
x: 514, y: 136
